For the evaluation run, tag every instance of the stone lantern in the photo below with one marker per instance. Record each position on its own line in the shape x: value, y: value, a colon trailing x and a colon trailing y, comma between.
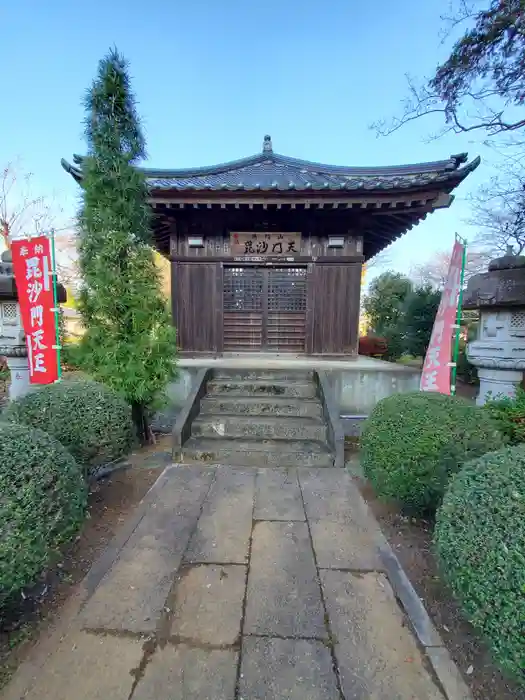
x: 498, y: 353
x: 12, y: 336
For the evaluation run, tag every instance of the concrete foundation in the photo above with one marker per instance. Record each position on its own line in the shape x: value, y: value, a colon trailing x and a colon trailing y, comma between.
x: 495, y: 383
x: 19, y: 368
x: 357, y: 384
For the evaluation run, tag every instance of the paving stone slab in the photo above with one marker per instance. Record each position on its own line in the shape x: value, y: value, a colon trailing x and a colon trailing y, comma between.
x: 89, y: 667
x: 162, y: 529
x: 331, y: 494
x: 132, y: 594
x: 102, y: 565
x: 184, y: 490
x: 377, y: 655
x: 184, y: 673
x: 207, y: 605
x: 224, y: 528
x: 295, y: 669
x: 411, y: 602
x: 284, y: 598
x: 278, y: 496
x: 346, y: 545
x: 448, y: 673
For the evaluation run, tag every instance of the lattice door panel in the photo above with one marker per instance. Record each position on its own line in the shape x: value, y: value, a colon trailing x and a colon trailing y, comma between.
x: 264, y: 308
x: 286, y: 319
x: 243, y: 308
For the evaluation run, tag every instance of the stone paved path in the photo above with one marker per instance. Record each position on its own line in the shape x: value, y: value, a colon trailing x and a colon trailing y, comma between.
x: 232, y: 584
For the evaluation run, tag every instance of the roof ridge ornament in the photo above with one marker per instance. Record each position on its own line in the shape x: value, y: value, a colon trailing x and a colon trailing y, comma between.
x: 267, y: 144
x: 459, y: 159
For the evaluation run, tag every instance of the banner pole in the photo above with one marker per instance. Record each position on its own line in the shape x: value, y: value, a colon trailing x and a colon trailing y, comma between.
x: 458, y: 318
x: 57, y: 310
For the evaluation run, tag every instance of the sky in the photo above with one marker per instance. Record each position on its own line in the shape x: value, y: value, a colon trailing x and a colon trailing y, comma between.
x: 212, y: 78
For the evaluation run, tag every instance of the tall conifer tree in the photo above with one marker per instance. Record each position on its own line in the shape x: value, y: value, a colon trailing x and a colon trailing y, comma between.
x: 129, y: 342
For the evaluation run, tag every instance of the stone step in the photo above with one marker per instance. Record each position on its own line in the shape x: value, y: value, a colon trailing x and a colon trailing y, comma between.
x: 263, y: 375
x: 252, y: 387
x: 260, y: 406
x: 256, y: 453
x: 261, y: 427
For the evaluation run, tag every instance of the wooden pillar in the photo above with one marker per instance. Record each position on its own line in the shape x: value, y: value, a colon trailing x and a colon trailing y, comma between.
x: 174, y: 242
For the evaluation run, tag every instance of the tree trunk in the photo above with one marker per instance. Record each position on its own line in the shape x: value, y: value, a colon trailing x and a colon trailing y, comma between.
x: 140, y: 419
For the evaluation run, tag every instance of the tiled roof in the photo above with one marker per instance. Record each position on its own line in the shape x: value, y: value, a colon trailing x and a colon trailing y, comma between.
x: 269, y: 171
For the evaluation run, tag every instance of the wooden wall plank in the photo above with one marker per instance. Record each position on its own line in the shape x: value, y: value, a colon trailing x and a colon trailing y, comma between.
x: 310, y: 308
x: 195, y: 306
x: 334, y: 295
x: 219, y: 307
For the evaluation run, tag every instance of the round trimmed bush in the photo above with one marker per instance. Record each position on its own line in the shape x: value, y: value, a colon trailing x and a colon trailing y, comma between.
x: 413, y: 443
x: 480, y: 546
x: 42, y: 504
x: 88, y: 418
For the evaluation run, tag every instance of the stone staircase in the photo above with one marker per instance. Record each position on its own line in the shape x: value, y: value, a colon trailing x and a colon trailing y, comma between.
x: 260, y: 419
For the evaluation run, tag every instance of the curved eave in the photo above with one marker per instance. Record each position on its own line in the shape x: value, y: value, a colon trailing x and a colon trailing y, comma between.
x: 461, y: 173
x: 72, y: 170
x: 449, y: 169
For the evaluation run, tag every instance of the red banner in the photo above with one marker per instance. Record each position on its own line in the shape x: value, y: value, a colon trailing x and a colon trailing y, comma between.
x: 436, y: 370
x: 34, y: 282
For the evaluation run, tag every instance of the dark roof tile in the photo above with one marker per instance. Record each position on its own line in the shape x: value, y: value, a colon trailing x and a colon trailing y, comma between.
x: 269, y: 171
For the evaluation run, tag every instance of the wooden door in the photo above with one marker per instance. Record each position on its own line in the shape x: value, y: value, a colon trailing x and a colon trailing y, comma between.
x: 264, y: 309
x: 243, y: 308
x: 286, y: 309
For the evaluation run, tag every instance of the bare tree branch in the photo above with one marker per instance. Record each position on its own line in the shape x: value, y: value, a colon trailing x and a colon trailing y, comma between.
x: 20, y: 210
x: 66, y: 257
x: 423, y: 102
x: 458, y: 13
x: 380, y: 260
x: 499, y: 216
x: 481, y: 85
x: 434, y: 272
x: 480, y: 88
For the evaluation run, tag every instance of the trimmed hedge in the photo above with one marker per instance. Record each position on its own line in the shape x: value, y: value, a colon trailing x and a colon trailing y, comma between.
x: 88, y: 418
x: 509, y: 415
x: 412, y: 444
x: 42, y: 504
x: 480, y: 546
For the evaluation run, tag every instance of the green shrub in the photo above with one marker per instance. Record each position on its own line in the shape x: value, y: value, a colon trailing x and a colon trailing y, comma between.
x: 410, y: 360
x: 480, y: 545
x: 509, y: 415
x: 412, y: 443
x: 42, y: 504
x: 465, y: 371
x: 395, y: 342
x: 4, y: 369
x: 89, y: 419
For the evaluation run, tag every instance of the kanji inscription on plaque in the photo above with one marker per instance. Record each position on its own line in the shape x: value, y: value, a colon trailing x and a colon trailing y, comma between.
x: 265, y: 244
